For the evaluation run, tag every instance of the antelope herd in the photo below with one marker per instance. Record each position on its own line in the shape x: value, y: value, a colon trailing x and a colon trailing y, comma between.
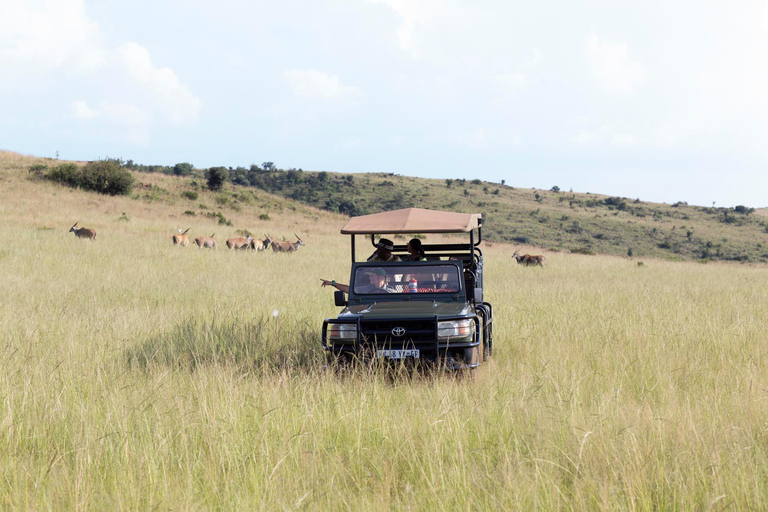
x: 256, y: 244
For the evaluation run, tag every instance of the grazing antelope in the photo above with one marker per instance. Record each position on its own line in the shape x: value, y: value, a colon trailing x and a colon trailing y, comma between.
x: 288, y: 246
x: 181, y: 238
x: 207, y: 241
x: 260, y: 245
x: 83, y: 232
x: 528, y: 259
x: 239, y: 243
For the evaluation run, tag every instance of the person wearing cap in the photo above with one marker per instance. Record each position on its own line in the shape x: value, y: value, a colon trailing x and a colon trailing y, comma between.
x: 377, y: 283
x: 383, y: 251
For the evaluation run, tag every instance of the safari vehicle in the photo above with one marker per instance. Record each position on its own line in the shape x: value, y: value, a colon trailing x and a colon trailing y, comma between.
x: 433, y: 310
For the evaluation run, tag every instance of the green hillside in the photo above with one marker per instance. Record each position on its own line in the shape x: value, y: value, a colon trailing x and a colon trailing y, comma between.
x: 550, y: 219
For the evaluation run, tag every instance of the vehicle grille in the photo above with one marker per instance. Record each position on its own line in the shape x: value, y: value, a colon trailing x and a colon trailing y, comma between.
x: 416, y: 333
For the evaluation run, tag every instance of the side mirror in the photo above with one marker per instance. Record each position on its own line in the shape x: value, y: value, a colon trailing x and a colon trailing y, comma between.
x: 338, y: 297
x: 478, y: 295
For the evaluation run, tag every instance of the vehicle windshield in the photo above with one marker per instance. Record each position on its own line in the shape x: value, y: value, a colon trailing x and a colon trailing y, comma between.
x: 407, y: 279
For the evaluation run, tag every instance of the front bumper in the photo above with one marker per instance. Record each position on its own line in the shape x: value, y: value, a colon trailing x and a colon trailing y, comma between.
x: 374, y: 334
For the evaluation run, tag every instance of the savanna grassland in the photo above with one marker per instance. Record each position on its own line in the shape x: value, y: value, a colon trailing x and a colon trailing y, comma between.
x: 139, y: 375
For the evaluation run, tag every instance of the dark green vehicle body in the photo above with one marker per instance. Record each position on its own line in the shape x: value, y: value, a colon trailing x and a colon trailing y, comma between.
x: 433, y: 310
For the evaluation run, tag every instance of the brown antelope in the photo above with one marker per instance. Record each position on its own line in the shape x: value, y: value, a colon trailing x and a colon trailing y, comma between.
x: 288, y: 246
x: 260, y: 245
x: 181, y: 238
x: 207, y: 241
x: 239, y: 243
x: 528, y: 259
x: 83, y: 232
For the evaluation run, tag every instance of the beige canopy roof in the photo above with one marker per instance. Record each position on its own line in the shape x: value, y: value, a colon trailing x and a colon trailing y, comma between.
x: 412, y: 220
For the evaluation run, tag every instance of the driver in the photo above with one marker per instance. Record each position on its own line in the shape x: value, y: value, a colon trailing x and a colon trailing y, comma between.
x: 377, y: 283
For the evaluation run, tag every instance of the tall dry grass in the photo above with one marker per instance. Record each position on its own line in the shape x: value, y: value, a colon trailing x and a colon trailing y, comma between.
x: 137, y: 374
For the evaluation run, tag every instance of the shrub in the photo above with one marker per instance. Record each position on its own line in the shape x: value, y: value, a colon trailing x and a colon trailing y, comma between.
x: 189, y: 195
x: 216, y: 177
x: 67, y: 174
x: 583, y: 250
x: 102, y: 176
x: 106, y: 177
x: 190, y: 213
x: 264, y: 216
x: 183, y: 169
x: 38, y: 170
x: 222, y: 219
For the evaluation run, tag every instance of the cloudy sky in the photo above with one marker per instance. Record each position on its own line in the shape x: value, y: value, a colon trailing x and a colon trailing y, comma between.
x: 665, y: 101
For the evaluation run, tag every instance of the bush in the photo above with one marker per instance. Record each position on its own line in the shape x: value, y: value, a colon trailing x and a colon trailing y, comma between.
x: 183, y: 169
x: 106, y: 177
x: 189, y: 195
x: 264, y: 216
x: 216, y: 177
x: 102, y: 176
x: 67, y: 174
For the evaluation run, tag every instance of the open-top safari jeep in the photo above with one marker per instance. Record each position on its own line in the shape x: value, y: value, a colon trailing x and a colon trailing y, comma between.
x: 433, y: 310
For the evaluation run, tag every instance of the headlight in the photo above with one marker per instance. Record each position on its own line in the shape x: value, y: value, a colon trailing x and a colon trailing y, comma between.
x: 455, y: 329
x: 342, y: 331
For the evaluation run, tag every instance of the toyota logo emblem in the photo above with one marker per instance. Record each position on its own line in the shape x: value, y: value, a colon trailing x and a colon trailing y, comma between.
x: 398, y: 331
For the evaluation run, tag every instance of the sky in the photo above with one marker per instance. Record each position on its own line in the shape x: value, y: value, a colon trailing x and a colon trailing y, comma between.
x: 658, y: 100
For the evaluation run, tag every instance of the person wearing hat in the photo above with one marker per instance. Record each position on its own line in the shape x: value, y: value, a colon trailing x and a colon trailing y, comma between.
x: 377, y: 283
x: 384, y: 251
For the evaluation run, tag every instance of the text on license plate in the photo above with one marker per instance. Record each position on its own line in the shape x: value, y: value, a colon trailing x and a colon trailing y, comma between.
x: 398, y: 354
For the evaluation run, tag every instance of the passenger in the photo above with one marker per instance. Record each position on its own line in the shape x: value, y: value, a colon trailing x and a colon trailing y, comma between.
x: 383, y: 253
x: 415, y: 251
x: 377, y: 283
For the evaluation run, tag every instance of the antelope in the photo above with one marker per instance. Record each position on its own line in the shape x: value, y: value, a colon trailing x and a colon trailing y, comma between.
x: 239, y: 243
x: 528, y: 259
x: 260, y: 245
x: 288, y: 246
x: 83, y: 232
x: 181, y: 238
x: 207, y: 241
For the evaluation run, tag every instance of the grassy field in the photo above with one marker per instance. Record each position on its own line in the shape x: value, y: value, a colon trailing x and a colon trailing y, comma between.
x: 139, y: 375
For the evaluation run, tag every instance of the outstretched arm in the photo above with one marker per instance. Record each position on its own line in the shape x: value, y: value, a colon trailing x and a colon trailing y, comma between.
x: 343, y: 287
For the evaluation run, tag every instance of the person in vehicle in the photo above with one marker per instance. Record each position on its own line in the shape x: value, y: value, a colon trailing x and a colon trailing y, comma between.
x: 415, y: 251
x: 383, y: 252
x: 377, y: 283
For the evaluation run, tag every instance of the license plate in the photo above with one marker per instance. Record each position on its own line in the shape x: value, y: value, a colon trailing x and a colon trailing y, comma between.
x: 398, y: 354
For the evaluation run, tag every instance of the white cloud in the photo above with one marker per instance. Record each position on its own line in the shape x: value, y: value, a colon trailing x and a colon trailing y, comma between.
x: 43, y: 37
x: 38, y: 36
x: 162, y: 84
x: 316, y: 84
x: 764, y: 17
x: 81, y: 110
x: 513, y: 80
x: 536, y: 59
x: 625, y: 139
x: 611, y: 67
